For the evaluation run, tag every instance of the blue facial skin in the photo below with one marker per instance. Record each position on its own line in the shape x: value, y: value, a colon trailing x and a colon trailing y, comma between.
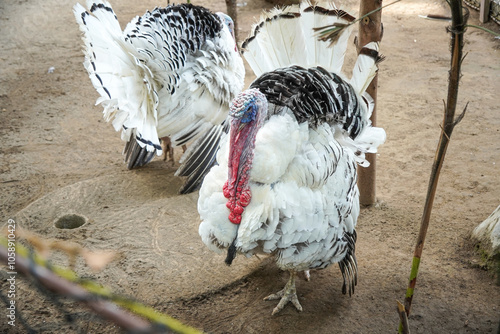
x: 230, y: 24
x: 228, y: 21
x: 247, y: 111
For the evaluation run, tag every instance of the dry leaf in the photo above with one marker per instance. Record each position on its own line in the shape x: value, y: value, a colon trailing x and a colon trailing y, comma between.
x: 99, y: 259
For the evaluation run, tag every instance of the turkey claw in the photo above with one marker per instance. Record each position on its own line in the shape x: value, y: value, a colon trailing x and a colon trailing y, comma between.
x: 284, y: 299
x: 288, y: 294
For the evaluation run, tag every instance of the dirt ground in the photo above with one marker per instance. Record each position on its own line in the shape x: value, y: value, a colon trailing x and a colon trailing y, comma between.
x: 59, y: 157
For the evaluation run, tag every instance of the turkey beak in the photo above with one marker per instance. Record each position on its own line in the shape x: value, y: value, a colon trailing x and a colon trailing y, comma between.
x: 241, y: 126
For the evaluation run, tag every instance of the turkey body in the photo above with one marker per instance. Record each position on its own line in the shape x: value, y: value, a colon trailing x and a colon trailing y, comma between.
x: 304, y: 198
x: 170, y: 73
x: 285, y: 179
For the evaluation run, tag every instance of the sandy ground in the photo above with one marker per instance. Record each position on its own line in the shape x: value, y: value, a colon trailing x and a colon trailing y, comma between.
x: 59, y: 157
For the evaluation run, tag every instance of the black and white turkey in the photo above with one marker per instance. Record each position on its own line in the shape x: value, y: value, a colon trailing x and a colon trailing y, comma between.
x: 170, y: 73
x: 285, y: 179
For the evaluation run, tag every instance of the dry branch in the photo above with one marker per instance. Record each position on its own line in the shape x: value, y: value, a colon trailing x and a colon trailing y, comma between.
x: 122, y: 311
x: 457, y: 29
x: 58, y: 284
x: 403, y: 318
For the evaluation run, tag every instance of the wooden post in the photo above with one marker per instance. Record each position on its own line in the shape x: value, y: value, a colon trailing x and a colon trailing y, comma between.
x: 484, y: 11
x: 370, y: 29
x: 232, y: 11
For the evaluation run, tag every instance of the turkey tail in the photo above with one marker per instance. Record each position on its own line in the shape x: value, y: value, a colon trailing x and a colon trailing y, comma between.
x: 365, y: 68
x: 370, y: 137
x: 100, y: 32
x: 322, y: 53
x: 348, y: 265
x: 363, y: 73
x: 200, y: 157
x: 282, y: 35
x: 128, y: 95
x: 135, y: 155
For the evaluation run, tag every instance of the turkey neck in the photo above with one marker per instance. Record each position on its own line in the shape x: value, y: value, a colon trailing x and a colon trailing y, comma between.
x: 241, y: 153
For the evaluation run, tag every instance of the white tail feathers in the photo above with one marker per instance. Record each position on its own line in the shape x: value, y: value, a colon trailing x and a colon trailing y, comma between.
x: 368, y: 140
x: 118, y: 75
x: 322, y: 53
x: 363, y: 73
x: 285, y: 37
x: 365, y: 68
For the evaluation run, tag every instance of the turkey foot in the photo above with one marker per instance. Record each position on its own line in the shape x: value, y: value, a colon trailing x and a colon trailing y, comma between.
x: 168, y: 150
x: 288, y: 294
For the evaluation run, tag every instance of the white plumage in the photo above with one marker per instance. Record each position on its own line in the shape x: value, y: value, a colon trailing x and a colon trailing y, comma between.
x: 171, y: 72
x: 286, y: 37
x: 285, y: 183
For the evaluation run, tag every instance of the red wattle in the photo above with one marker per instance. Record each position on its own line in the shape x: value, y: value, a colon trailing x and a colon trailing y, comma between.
x: 235, y: 219
x: 238, y: 209
x: 245, y: 197
x: 236, y: 188
x: 225, y: 190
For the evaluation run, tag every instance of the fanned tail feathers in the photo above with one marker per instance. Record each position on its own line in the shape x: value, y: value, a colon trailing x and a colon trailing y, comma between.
x: 135, y: 155
x: 282, y: 35
x: 365, y: 68
x: 118, y: 75
x: 363, y: 73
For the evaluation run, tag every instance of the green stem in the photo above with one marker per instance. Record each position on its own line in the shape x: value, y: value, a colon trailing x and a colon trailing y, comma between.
x: 484, y: 29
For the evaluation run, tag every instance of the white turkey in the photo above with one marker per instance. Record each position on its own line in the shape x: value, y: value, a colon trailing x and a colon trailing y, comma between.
x: 285, y: 179
x: 171, y: 73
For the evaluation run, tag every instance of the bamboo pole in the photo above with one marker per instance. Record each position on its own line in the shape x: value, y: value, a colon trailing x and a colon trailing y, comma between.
x: 457, y: 30
x: 370, y: 29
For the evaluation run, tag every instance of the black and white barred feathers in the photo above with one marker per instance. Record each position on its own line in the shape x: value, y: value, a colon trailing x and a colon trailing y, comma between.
x: 307, y: 127
x: 171, y: 72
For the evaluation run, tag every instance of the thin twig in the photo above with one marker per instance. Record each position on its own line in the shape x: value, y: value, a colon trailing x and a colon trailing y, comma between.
x: 484, y: 29
x: 461, y: 116
x: 444, y: 132
x: 332, y: 32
